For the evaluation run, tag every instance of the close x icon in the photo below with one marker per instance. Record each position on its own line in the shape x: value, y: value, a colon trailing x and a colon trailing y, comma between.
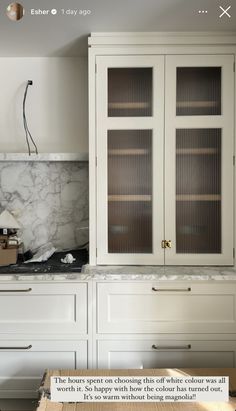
x: 225, y: 12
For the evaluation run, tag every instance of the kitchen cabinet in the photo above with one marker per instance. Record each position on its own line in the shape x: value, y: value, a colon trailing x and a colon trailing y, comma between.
x: 116, y: 323
x: 167, y: 307
x: 44, y: 308
x: 168, y: 353
x: 43, y: 324
x: 161, y: 151
x: 23, y: 363
x: 151, y: 324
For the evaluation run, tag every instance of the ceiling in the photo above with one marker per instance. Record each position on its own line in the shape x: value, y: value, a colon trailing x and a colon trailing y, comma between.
x: 66, y: 35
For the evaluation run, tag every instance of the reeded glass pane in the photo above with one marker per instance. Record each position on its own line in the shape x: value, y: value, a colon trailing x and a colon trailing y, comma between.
x: 198, y: 191
x: 129, y: 191
x: 198, y: 91
x: 129, y: 92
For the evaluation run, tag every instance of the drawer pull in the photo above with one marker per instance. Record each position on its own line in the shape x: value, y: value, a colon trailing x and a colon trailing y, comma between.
x: 27, y: 290
x: 171, y: 347
x: 16, y: 348
x: 171, y: 289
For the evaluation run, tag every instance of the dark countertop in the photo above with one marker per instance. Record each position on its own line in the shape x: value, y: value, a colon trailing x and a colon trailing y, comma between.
x: 52, y: 265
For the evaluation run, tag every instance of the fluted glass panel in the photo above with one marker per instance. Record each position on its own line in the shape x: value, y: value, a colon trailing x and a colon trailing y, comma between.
x: 129, y: 92
x: 198, y: 191
x: 198, y: 91
x: 129, y: 191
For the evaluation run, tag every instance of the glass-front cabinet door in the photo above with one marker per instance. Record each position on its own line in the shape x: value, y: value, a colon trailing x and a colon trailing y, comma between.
x: 130, y: 154
x: 165, y: 128
x: 199, y: 104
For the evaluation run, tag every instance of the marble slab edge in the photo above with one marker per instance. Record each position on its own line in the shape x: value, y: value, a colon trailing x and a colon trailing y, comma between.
x: 46, y: 277
x: 132, y: 273
x: 159, y: 273
x: 44, y: 157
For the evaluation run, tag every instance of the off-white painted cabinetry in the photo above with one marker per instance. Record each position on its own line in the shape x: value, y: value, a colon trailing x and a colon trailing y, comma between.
x: 161, y: 149
x: 112, y: 324
x: 172, y: 352
x: 47, y: 308
x: 166, y: 308
x: 23, y: 363
x: 172, y: 324
x: 42, y: 325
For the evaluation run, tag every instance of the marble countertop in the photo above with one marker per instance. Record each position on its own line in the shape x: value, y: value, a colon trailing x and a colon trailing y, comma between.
x: 161, y: 273
x: 131, y: 273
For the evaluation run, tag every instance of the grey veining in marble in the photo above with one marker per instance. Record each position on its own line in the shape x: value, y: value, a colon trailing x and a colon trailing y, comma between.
x: 49, y: 200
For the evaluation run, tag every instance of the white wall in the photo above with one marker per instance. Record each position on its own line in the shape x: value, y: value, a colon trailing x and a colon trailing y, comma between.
x: 56, y: 107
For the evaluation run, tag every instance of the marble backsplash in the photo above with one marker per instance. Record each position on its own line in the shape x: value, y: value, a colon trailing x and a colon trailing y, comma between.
x: 49, y: 200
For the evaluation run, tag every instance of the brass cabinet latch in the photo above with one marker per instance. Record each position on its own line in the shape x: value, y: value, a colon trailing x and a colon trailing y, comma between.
x: 166, y: 243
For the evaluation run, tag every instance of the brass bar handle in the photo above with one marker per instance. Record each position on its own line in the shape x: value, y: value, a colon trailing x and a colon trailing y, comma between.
x: 171, y: 347
x: 171, y: 289
x: 27, y: 290
x: 16, y: 348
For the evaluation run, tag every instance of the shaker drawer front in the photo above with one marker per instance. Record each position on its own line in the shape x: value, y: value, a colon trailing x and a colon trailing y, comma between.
x: 23, y: 363
x: 43, y: 308
x: 165, y: 354
x: 167, y: 308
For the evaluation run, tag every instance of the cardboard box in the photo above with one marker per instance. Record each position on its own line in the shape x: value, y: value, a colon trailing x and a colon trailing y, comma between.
x: 8, y: 255
x: 46, y: 404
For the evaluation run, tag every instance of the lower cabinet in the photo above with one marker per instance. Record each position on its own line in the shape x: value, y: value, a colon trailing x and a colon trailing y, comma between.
x: 23, y: 363
x: 166, y: 307
x: 166, y: 324
x: 43, y: 308
x: 170, y: 353
x: 118, y: 324
x: 43, y: 325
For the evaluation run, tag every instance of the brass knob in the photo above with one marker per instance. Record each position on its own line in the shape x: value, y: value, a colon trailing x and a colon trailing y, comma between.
x: 166, y: 243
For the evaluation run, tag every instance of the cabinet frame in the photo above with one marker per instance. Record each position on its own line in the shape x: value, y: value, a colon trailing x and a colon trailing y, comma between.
x: 108, y: 44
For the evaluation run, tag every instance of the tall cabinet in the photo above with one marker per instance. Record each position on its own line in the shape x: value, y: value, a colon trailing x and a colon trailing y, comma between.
x: 161, y: 150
